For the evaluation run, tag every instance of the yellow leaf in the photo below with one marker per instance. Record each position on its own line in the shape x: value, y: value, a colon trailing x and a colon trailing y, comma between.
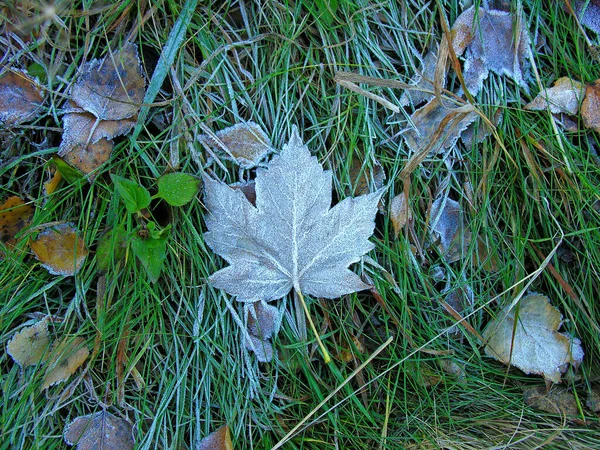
x: 60, y: 249
x: 66, y: 357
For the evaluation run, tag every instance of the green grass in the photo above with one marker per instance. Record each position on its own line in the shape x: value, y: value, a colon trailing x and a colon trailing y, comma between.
x: 185, y: 371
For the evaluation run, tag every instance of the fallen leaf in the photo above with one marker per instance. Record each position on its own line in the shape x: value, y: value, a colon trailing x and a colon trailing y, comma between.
x: 536, y: 345
x: 262, y: 348
x: 590, y: 107
x: 557, y: 400
x: 218, y: 440
x: 64, y: 359
x: 263, y: 320
x: 364, y: 180
x: 453, y: 368
x: 248, y: 188
x: 399, y: 213
x: 588, y: 13
x: 593, y: 399
x: 435, y: 123
x: 493, y: 43
x: 60, y: 249
x: 51, y: 186
x: 15, y: 215
x: 349, y: 354
x: 292, y: 238
x: 113, y: 87
x: 82, y: 128
x: 446, y: 223
x: 422, y: 82
x: 87, y: 158
x: 20, y: 98
x: 245, y: 143
x: 101, y: 430
x: 28, y: 346
x: 563, y: 97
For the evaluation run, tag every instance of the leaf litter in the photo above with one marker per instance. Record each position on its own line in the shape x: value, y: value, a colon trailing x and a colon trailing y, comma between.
x: 20, y: 98
x: 15, y: 215
x: 66, y: 356
x: 101, y: 430
x: 217, y: 440
x: 246, y: 144
x: 104, y: 104
x: 29, y: 346
x: 531, y: 341
x: 60, y: 249
x: 263, y: 323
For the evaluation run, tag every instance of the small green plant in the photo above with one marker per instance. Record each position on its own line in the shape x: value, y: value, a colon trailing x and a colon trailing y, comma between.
x: 148, y: 240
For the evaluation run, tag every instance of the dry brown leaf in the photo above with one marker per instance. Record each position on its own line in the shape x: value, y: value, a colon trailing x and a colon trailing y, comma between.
x: 590, y: 107
x: 399, y: 213
x: 557, y: 400
x: 447, y: 226
x: 218, y: 440
x: 100, y: 430
x: 20, y: 98
x: 28, y: 346
x: 364, y: 180
x: 263, y: 320
x: 51, y: 185
x: 113, y: 87
x: 84, y: 128
x: 64, y: 359
x: 87, y: 158
x: 531, y: 341
x: 588, y: 13
x: 60, y: 249
x: 422, y: 82
x: 437, y: 127
x: 248, y: 188
x: 593, y: 399
x: 563, y: 97
x: 244, y: 143
x: 15, y: 215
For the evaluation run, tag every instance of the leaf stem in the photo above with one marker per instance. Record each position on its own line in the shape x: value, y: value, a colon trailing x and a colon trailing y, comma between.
x: 326, y: 356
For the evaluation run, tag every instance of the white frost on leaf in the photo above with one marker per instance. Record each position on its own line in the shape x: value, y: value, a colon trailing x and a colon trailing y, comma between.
x: 533, y: 344
x: 292, y: 238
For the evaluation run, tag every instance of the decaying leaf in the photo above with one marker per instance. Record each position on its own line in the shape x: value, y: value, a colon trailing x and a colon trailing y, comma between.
x: 217, y: 440
x: 15, y: 215
x: 87, y: 158
x: 262, y: 348
x: 536, y: 346
x: 20, y: 98
x: 292, y: 238
x: 399, y: 213
x: 593, y: 399
x: 446, y: 223
x: 364, y: 180
x: 248, y: 188
x: 437, y: 127
x: 101, y: 430
x: 263, y: 320
x: 588, y: 13
x: 493, y: 43
x: 113, y: 87
x: 60, y: 249
x: 564, y: 97
x: 64, y: 359
x: 557, y: 400
x: 29, y: 346
x: 245, y: 143
x: 422, y: 82
x: 590, y: 107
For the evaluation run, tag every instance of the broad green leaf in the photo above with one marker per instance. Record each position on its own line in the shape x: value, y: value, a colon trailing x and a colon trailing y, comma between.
x: 134, y: 196
x: 150, y: 249
x: 69, y: 173
x: 178, y: 188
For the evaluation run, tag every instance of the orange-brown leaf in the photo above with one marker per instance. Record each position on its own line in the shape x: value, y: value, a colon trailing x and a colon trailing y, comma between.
x: 64, y: 359
x: 60, y: 249
x: 20, y: 98
x: 15, y: 215
x: 100, y: 430
x: 87, y: 158
x: 218, y: 440
x: 590, y: 107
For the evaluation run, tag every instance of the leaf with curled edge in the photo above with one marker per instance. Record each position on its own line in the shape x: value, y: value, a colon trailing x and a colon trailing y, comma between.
x: 292, y: 238
x: 101, y: 430
x: 530, y: 339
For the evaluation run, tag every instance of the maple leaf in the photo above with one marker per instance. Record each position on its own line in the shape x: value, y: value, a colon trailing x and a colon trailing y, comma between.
x: 533, y: 343
x: 292, y: 238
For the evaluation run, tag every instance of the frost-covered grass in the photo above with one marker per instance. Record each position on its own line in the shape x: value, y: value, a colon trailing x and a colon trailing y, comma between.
x: 184, y: 371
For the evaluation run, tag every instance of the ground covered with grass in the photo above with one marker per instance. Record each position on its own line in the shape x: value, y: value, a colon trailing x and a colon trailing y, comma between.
x: 409, y: 367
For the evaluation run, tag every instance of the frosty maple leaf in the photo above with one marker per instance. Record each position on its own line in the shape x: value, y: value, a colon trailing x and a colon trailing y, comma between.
x: 292, y: 238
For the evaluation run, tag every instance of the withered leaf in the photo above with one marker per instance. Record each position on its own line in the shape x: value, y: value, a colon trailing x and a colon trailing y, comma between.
x: 217, y: 440
x: 262, y: 348
x: 263, y: 320
x: 60, y: 249
x: 590, y: 107
x: 101, y: 430
x: 564, y: 97
x: 557, y: 400
x: 20, y: 98
x: 15, y: 215
x: 87, y: 158
x: 364, y: 180
x: 64, y: 359
x: 113, y: 87
x: 28, y: 346
x: 245, y: 143
x: 588, y: 13
x: 536, y: 346
x: 292, y: 238
x: 447, y: 225
x: 399, y: 212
